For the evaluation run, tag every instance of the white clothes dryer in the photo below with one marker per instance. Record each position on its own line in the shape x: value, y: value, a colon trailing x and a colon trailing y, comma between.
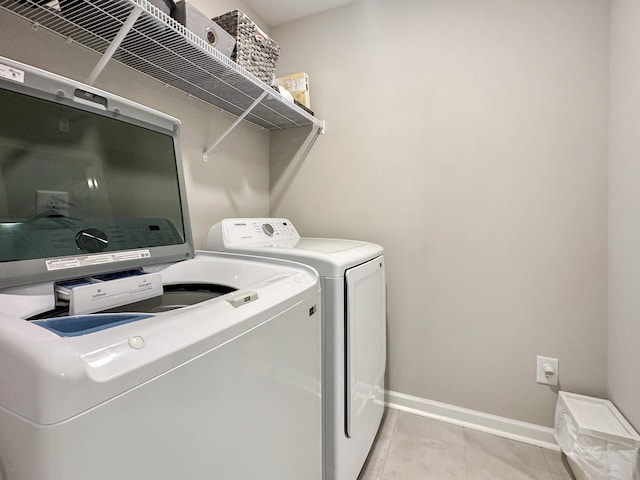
x: 352, y: 276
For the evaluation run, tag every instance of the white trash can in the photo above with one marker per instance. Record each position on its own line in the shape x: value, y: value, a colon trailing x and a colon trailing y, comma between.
x: 598, y: 441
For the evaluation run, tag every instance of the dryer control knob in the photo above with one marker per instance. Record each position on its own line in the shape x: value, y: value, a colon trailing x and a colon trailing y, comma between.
x: 268, y: 229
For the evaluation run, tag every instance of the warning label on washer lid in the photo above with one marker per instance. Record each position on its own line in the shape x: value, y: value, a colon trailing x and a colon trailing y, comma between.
x: 89, y: 260
x: 11, y: 73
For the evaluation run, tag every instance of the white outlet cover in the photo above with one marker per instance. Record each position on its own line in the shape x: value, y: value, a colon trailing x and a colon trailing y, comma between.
x: 540, y: 374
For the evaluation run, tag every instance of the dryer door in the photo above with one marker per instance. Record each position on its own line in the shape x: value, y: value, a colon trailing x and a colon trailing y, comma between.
x: 365, y: 346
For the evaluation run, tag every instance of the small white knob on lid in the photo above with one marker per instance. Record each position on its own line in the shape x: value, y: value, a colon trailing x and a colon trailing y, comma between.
x: 136, y: 342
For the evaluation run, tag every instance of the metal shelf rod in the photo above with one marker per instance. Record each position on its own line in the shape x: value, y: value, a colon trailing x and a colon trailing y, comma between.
x: 232, y: 126
x: 126, y: 27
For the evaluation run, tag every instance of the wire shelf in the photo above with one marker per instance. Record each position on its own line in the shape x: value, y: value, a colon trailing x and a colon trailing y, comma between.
x: 161, y: 48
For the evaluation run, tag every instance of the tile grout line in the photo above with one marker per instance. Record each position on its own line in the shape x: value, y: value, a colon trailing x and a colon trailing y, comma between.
x: 464, y: 445
x: 547, y: 462
x: 388, y: 447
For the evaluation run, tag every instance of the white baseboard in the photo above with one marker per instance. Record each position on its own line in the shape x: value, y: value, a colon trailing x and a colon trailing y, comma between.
x: 484, y: 422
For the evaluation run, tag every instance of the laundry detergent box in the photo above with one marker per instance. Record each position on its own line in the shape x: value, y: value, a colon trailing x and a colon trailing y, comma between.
x: 298, y: 85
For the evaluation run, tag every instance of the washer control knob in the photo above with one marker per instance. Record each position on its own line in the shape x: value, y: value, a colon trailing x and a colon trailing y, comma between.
x: 268, y: 229
x: 92, y: 240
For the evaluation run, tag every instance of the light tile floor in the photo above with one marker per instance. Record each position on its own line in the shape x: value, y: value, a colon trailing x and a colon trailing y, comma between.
x: 411, y: 447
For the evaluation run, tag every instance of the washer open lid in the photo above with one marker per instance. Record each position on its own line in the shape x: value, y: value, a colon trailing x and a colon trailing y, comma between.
x: 89, y: 182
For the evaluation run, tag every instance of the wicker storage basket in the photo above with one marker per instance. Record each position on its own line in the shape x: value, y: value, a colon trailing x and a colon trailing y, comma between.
x: 254, y: 51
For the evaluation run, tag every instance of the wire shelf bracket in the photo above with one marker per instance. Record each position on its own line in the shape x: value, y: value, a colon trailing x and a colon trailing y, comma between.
x: 115, y: 44
x: 205, y: 156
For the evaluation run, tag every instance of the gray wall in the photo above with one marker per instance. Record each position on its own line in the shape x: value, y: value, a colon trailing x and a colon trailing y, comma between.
x: 470, y: 140
x: 624, y: 215
x: 235, y: 181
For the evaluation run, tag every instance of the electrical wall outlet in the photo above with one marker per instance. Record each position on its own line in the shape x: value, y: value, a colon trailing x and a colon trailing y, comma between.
x: 547, y: 370
x: 50, y: 203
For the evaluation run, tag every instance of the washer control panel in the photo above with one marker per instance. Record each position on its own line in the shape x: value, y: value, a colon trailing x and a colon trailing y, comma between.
x: 233, y: 233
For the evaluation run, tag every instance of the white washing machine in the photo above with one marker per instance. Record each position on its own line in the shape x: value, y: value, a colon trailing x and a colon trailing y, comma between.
x: 352, y: 276
x: 124, y: 353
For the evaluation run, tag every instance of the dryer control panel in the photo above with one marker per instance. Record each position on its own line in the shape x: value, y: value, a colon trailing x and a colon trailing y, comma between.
x: 233, y: 233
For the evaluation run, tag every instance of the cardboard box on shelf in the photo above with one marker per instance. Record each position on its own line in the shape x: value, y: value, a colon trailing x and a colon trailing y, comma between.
x: 298, y: 85
x: 196, y: 21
